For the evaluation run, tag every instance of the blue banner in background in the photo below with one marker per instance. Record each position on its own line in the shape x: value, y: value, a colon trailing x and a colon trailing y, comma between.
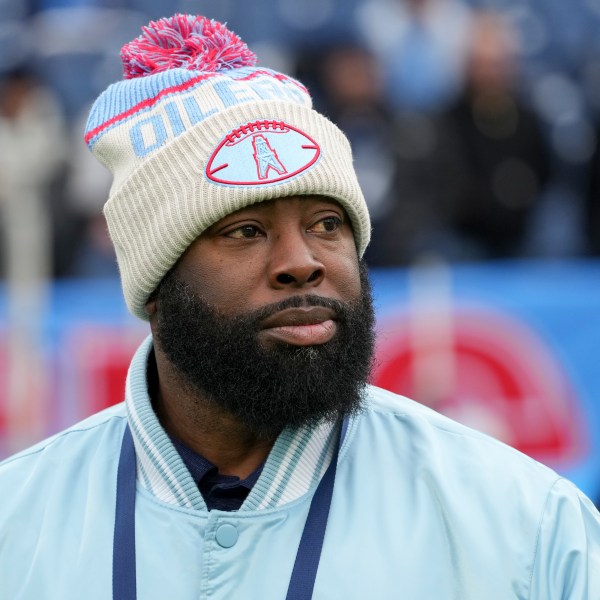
x: 509, y: 348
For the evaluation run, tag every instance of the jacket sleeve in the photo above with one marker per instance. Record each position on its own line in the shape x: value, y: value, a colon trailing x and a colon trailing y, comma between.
x: 567, y: 560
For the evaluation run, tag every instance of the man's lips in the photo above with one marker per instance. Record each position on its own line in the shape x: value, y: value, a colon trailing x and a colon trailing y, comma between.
x: 303, y: 326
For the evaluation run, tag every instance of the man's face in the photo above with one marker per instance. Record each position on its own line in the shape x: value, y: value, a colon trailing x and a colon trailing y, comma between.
x: 269, y: 315
x: 271, y: 251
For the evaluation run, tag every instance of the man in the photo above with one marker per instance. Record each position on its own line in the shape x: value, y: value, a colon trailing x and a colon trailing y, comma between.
x: 250, y: 458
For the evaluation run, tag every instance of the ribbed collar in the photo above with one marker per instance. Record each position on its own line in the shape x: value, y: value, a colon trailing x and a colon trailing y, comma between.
x: 295, y: 464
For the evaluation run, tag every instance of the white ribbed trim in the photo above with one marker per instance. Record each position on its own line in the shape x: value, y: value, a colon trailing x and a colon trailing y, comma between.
x: 293, y: 477
x: 160, y: 468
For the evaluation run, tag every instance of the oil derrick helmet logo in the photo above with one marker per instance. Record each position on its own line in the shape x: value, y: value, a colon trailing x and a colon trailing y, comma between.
x: 266, y: 157
x: 262, y: 152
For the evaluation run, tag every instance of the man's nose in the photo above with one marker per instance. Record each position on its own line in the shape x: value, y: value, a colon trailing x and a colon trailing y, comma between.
x: 293, y: 262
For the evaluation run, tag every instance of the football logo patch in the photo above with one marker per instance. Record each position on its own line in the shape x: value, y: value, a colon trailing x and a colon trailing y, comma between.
x: 260, y: 153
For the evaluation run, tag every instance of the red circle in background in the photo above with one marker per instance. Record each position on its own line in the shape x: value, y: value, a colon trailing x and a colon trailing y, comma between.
x: 486, y: 370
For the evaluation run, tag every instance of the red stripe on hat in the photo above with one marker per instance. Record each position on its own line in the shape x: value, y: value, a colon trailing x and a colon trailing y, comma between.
x: 179, y: 88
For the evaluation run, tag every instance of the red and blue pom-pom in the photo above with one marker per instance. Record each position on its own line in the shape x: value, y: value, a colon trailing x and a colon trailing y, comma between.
x: 185, y: 42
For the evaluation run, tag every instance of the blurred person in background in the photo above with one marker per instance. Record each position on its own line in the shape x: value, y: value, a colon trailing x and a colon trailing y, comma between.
x: 250, y: 455
x: 502, y: 158
x: 468, y: 179
x: 33, y: 148
x: 420, y: 45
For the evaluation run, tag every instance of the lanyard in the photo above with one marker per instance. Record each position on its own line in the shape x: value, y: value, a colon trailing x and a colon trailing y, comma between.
x: 306, y: 564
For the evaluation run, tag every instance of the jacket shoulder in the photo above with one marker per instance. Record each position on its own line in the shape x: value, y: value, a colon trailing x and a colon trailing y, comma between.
x: 428, y: 436
x: 64, y: 454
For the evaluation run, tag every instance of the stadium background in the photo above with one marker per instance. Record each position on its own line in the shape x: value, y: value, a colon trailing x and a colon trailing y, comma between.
x: 500, y: 330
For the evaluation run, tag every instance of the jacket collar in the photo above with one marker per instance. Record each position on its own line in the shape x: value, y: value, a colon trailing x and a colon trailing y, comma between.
x: 295, y: 464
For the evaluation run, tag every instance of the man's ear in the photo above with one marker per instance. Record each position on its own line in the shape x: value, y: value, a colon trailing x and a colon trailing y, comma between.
x: 151, y: 307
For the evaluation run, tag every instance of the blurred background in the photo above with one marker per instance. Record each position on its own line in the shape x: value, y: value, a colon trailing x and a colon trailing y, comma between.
x: 476, y: 135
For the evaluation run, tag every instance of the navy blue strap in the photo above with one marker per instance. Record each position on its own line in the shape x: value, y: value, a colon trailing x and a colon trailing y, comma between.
x: 124, y: 580
x: 304, y: 573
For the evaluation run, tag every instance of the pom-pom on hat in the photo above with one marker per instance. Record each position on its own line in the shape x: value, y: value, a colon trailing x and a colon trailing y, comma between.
x: 196, y: 131
x: 186, y: 42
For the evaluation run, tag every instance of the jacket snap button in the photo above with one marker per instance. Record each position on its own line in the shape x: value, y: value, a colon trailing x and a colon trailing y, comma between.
x: 226, y: 536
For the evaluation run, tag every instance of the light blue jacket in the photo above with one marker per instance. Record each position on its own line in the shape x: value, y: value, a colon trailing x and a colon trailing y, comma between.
x: 423, y: 509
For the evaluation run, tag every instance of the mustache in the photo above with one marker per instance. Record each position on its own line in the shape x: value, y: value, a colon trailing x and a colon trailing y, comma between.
x: 255, y: 317
x: 339, y: 308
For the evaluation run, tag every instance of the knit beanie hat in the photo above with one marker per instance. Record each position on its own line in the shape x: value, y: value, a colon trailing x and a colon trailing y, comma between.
x: 196, y: 131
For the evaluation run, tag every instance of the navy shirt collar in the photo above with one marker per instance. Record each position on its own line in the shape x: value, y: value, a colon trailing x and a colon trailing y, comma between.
x: 220, y: 492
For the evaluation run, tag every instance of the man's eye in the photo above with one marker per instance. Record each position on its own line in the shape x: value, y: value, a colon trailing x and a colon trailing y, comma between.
x: 328, y: 224
x: 245, y: 232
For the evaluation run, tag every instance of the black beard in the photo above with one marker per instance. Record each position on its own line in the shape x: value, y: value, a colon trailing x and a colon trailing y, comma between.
x: 268, y: 388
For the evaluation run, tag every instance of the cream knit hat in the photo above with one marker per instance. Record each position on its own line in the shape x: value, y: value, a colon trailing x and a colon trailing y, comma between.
x: 195, y: 132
